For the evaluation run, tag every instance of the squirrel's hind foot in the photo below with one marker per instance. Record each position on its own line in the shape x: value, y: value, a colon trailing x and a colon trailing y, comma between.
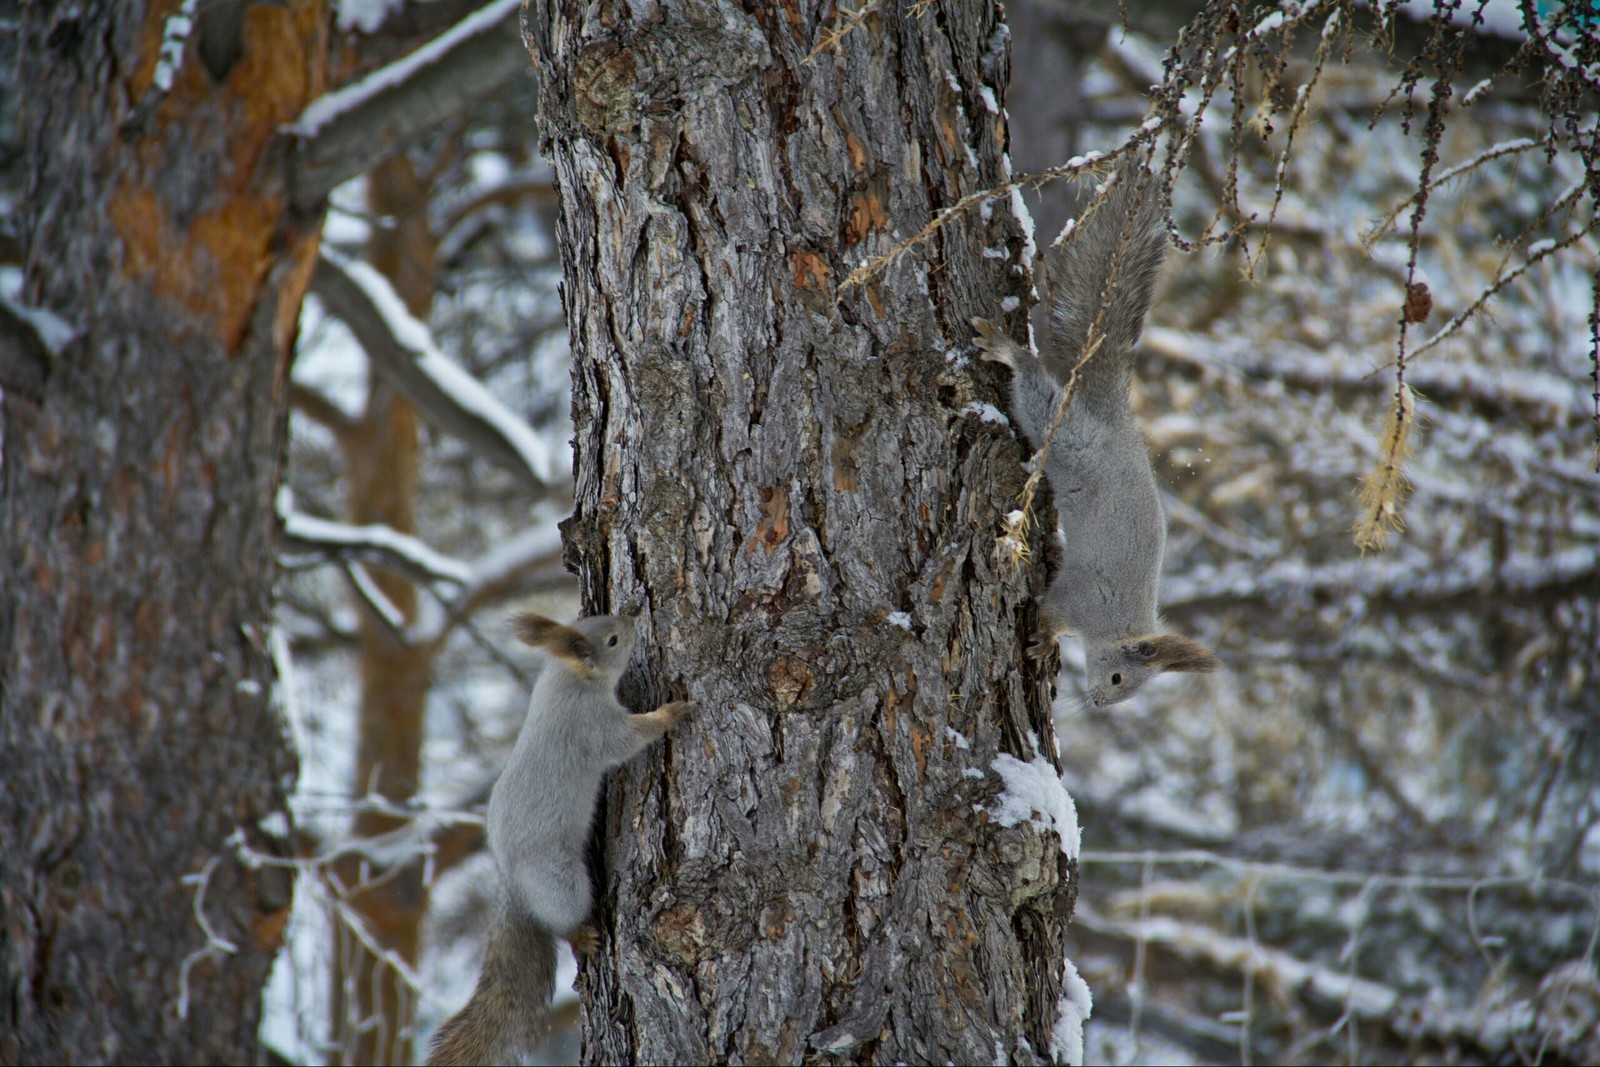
x: 1040, y: 645
x: 993, y: 345
x: 585, y: 940
x: 678, y: 710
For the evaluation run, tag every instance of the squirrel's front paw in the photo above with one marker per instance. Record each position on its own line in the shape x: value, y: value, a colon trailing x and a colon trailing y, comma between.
x: 1040, y: 645
x: 679, y: 710
x: 992, y: 345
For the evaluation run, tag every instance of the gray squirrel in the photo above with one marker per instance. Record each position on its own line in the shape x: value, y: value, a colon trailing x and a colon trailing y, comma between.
x: 540, y: 812
x: 1102, y: 279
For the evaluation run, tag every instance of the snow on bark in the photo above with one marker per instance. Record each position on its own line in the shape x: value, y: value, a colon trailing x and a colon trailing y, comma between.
x: 53, y: 331
x: 1035, y: 794
x: 174, y: 36
x: 1072, y: 1011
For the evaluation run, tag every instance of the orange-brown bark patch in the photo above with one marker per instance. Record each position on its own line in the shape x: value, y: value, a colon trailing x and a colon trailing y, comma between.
x: 866, y: 216
x: 267, y: 928
x: 773, y: 526
x: 875, y: 298
x: 920, y: 740
x: 302, y: 260
x: 810, y: 271
x: 215, y: 270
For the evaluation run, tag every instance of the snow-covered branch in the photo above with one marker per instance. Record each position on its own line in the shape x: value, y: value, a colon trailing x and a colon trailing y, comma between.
x: 376, y: 544
x: 1472, y: 582
x: 376, y: 600
x: 402, y: 350
x: 490, y: 574
x: 1493, y: 1028
x: 458, y: 588
x: 1530, y: 396
x: 347, y: 131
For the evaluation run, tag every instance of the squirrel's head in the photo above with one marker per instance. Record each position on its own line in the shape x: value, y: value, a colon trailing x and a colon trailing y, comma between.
x: 597, y: 647
x: 1118, y: 669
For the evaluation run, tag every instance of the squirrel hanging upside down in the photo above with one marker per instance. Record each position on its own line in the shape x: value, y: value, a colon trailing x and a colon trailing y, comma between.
x: 1102, y: 279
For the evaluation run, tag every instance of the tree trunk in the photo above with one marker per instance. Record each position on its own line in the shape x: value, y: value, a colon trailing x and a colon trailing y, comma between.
x: 138, y: 744
x: 372, y: 1008
x: 797, y: 489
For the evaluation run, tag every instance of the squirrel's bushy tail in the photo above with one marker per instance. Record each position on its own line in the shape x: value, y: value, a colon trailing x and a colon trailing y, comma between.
x: 509, y: 1011
x: 1120, y: 244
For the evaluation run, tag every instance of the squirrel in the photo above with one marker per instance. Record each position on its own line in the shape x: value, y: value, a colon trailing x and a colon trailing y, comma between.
x: 1102, y: 279
x: 539, y: 818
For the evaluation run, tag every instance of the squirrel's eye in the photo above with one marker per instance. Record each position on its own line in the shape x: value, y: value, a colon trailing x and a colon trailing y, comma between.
x: 1116, y: 679
x: 613, y: 640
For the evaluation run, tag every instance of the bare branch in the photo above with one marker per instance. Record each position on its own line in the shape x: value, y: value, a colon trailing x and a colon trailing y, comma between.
x: 492, y: 576
x: 1408, y: 1017
x: 393, y: 620
x: 320, y: 410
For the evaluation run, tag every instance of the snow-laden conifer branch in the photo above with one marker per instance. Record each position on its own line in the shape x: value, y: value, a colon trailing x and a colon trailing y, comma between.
x: 347, y: 131
x: 402, y: 351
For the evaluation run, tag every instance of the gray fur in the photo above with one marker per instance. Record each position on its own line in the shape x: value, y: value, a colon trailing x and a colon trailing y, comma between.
x: 1099, y: 469
x: 541, y: 808
x: 540, y: 813
x: 1124, y: 235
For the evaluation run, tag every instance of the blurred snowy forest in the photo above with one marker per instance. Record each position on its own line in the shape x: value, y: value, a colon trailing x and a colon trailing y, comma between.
x: 1374, y: 837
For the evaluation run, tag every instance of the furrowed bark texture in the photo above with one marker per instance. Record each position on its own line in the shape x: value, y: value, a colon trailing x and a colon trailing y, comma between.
x: 136, y: 734
x: 797, y: 491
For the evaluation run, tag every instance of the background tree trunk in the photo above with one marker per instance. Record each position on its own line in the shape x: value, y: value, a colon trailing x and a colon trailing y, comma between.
x: 372, y: 1009
x: 136, y: 737
x: 794, y: 488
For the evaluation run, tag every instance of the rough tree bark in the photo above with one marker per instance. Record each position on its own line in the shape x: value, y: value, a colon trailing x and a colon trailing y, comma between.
x: 795, y: 489
x: 136, y: 734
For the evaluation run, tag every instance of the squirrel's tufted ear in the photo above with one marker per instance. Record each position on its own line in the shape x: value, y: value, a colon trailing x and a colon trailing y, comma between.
x: 1174, y: 652
x: 562, y: 642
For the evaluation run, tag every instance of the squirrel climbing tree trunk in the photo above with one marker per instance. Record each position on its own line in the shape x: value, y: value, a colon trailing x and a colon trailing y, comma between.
x: 140, y: 754
x: 799, y: 488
